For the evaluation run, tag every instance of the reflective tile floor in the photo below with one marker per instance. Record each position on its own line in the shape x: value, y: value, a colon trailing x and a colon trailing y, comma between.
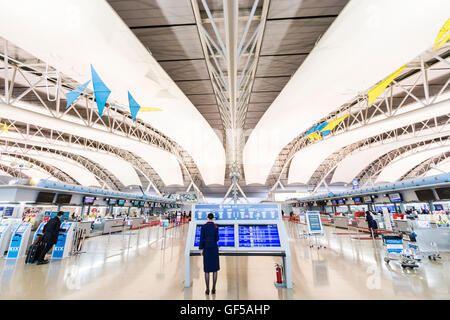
x: 140, y: 265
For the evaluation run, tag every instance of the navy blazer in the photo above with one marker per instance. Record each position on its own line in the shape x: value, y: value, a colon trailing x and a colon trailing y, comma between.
x: 51, y: 230
x: 209, y: 235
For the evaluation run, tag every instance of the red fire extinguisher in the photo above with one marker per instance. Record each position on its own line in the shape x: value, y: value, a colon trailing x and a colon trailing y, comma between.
x: 278, y: 272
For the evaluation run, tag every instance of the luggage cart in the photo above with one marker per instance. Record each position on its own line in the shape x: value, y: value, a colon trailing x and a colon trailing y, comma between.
x: 395, y: 250
x: 424, y: 248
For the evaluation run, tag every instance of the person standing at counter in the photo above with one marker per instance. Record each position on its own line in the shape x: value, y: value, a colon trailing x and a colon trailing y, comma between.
x: 209, y: 236
x: 50, y: 237
x: 371, y: 223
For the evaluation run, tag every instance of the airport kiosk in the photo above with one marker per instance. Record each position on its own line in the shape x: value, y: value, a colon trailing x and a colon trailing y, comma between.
x: 244, y: 230
x: 5, y: 235
x: 65, y: 239
x: 19, y: 241
x: 39, y: 230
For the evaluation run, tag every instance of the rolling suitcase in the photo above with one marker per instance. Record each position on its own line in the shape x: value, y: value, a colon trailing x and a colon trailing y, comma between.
x: 33, y: 253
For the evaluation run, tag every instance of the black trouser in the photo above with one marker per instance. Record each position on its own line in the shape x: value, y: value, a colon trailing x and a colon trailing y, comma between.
x: 45, y: 248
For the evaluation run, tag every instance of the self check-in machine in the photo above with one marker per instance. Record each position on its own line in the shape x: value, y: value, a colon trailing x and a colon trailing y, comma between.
x: 19, y: 241
x: 5, y: 235
x: 65, y: 239
x: 39, y: 230
x: 244, y: 230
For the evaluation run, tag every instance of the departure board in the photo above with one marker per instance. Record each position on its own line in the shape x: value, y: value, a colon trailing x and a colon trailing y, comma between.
x: 226, y: 236
x: 259, y: 236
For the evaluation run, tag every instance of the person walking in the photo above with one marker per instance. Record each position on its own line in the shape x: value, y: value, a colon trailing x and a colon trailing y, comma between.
x: 50, y: 236
x: 209, y: 236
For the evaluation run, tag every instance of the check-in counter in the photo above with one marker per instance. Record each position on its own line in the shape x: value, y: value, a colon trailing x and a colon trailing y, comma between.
x: 136, y: 222
x: 341, y: 222
x: 361, y: 222
x: 402, y: 225
x: 326, y: 220
x: 86, y: 226
x: 113, y: 225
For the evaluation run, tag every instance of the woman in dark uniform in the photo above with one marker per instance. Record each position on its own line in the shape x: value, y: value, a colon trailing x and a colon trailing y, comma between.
x: 209, y: 235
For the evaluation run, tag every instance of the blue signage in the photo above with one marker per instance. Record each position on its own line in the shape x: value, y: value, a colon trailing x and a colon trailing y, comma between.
x: 314, y: 222
x: 16, y: 241
x: 259, y: 236
x: 58, y: 249
x: 265, y: 211
x: 226, y: 236
x: 355, y: 183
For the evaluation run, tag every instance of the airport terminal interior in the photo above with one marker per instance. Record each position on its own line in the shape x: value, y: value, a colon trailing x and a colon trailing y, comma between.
x: 316, y: 132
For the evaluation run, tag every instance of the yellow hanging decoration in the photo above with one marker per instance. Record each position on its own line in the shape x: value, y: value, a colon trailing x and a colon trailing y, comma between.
x: 147, y: 109
x: 441, y: 34
x: 5, y: 128
x: 332, y: 124
x: 378, y: 89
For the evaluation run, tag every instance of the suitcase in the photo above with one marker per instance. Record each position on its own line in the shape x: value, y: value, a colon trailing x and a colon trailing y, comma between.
x: 33, y: 253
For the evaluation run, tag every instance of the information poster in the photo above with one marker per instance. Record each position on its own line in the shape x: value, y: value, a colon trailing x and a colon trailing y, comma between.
x: 387, y: 219
x: 441, y: 219
x: 313, y: 222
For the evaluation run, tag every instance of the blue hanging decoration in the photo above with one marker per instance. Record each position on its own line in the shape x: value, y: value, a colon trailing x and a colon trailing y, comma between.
x: 134, y: 106
x: 101, y: 91
x: 74, y: 94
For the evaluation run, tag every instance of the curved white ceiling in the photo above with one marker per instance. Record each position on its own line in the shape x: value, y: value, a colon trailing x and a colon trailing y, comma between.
x: 72, y: 35
x: 73, y: 169
x: 35, y: 173
x: 397, y: 169
x: 353, y: 164
x: 121, y: 169
x: 443, y: 166
x: 164, y: 163
x: 308, y: 159
x: 368, y: 41
x: 4, y: 173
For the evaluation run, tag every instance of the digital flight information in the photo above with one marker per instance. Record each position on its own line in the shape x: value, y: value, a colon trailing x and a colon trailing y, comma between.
x: 226, y: 236
x: 259, y: 236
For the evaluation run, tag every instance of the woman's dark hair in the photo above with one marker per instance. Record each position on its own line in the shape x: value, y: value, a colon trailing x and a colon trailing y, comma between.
x: 210, y: 216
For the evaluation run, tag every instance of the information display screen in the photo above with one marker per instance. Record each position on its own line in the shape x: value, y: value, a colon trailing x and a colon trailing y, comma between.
x: 259, y: 236
x: 395, y: 197
x: 368, y: 199
x: 120, y: 202
x: 333, y: 202
x: 341, y: 201
x: 443, y: 193
x: 88, y: 200
x: 357, y: 200
x: 226, y: 235
x: 22, y: 228
x: 63, y: 198
x: 46, y: 197
x: 425, y: 195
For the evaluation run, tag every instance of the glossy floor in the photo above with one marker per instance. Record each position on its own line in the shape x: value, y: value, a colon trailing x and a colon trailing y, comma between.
x: 140, y: 265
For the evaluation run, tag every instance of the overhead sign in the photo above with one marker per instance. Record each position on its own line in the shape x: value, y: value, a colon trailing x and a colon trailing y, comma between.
x: 263, y: 211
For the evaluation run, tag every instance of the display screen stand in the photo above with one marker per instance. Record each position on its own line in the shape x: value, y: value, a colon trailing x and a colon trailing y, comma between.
x: 245, y: 230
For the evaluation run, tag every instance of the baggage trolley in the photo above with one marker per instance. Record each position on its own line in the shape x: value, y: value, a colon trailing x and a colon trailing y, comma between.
x: 395, y: 251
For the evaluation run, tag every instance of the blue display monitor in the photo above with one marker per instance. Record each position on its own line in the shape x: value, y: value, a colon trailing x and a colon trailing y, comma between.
x: 226, y: 235
x: 395, y: 197
x: 357, y: 200
x: 341, y: 202
x: 368, y: 199
x: 259, y: 236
